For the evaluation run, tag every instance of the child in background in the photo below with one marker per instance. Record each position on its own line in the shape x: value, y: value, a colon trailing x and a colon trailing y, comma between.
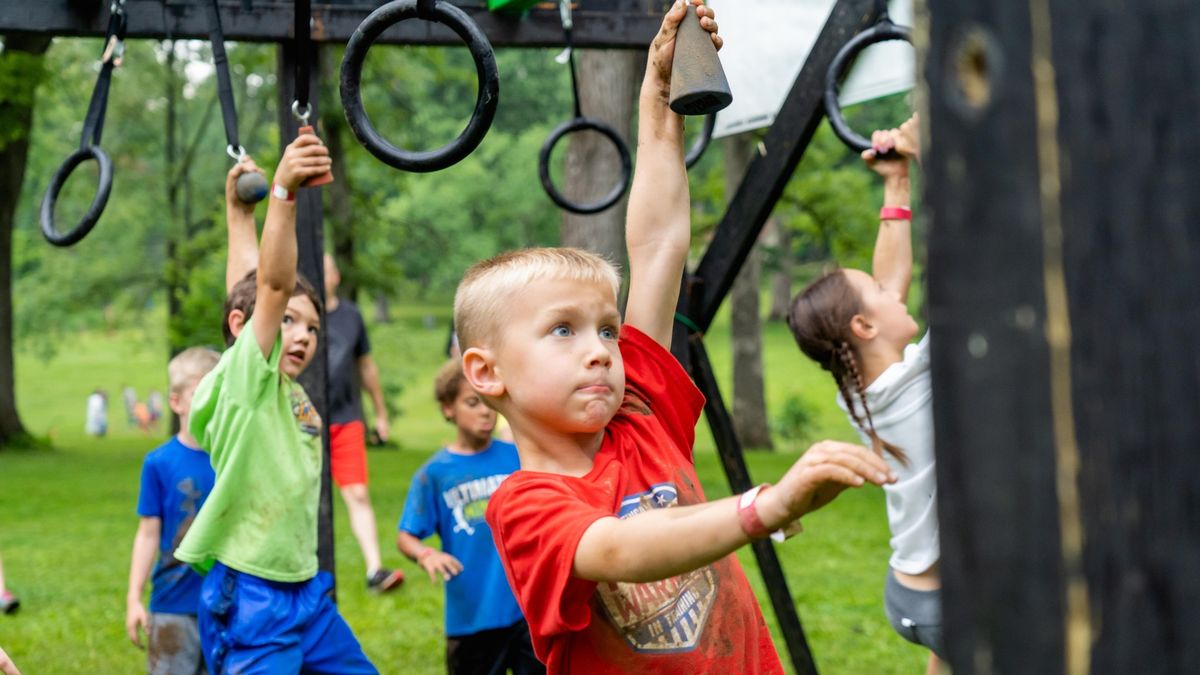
x: 857, y: 326
x: 96, y: 423
x: 9, y: 603
x: 176, y: 478
x: 485, y: 632
x: 616, y: 558
x: 264, y: 605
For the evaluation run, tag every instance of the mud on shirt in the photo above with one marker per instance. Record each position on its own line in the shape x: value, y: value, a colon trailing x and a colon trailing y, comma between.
x: 706, y: 620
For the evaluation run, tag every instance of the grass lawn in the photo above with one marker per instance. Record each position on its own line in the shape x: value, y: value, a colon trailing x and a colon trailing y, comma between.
x: 67, y: 515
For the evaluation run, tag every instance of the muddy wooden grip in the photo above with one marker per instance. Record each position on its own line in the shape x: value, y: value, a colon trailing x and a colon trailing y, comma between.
x: 698, y: 84
x: 324, y: 178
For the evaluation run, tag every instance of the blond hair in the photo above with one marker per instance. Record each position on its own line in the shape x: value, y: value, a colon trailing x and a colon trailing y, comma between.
x: 448, y: 381
x: 189, y: 366
x: 483, y: 294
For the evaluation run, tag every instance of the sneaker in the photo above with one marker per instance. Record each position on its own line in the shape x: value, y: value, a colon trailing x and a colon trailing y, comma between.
x: 384, y: 580
x: 9, y: 602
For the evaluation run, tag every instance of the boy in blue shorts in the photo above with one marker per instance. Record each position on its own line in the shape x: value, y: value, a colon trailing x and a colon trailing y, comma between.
x: 176, y: 478
x: 264, y: 606
x: 485, y: 631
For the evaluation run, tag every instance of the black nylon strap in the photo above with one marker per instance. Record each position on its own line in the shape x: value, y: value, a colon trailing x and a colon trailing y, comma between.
x: 304, y: 51
x: 224, y: 85
x: 93, y: 122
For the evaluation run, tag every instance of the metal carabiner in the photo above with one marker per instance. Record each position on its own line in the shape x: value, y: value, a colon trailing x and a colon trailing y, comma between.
x: 564, y: 12
x: 301, y: 117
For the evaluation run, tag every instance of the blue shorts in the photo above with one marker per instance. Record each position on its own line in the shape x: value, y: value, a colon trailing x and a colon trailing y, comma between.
x: 251, y: 625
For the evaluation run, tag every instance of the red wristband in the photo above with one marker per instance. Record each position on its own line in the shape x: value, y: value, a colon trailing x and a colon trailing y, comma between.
x: 747, y: 511
x: 424, y: 553
x: 895, y: 213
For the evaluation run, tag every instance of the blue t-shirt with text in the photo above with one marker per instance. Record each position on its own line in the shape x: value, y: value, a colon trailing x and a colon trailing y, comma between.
x: 448, y: 497
x: 175, y: 481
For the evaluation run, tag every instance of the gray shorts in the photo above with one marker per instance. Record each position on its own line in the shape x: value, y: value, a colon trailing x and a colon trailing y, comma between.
x: 916, y: 615
x: 174, y: 645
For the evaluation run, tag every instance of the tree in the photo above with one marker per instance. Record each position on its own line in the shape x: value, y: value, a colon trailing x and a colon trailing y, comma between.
x: 749, y: 402
x: 22, y: 69
x: 607, y: 90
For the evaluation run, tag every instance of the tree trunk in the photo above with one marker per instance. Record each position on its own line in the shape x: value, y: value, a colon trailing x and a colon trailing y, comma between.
x: 607, y: 90
x: 749, y: 402
x: 781, y: 272
x: 339, y: 211
x: 24, y: 53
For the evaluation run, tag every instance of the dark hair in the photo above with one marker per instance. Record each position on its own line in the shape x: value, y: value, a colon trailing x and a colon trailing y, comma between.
x: 820, y: 318
x: 448, y: 381
x: 244, y: 293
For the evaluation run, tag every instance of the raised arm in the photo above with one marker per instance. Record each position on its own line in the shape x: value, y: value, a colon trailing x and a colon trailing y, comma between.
x: 658, y: 223
x: 305, y: 157
x: 631, y: 550
x: 242, y: 230
x: 892, y: 262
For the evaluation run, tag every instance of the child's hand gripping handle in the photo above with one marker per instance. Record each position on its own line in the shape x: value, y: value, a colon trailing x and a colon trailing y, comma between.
x: 322, y: 179
x: 698, y: 84
x: 251, y: 187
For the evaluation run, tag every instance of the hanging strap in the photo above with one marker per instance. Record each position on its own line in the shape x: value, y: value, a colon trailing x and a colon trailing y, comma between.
x: 567, y: 55
x: 224, y: 85
x: 304, y: 50
x: 114, y: 49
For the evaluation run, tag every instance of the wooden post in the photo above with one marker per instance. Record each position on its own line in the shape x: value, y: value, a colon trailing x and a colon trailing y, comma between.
x: 1064, y: 304
x: 310, y: 239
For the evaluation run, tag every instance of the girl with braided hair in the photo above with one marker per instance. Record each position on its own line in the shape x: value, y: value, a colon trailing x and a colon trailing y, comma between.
x: 857, y: 326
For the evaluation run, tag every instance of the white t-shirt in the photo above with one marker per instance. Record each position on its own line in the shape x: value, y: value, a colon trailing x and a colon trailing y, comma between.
x: 901, y: 404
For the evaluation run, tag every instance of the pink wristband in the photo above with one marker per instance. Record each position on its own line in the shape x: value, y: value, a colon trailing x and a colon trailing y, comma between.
x: 895, y: 213
x: 424, y: 553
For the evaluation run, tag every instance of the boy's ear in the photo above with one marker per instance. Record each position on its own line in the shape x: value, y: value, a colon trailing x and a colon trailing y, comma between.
x: 479, y: 367
x: 862, y: 328
x: 237, y: 321
x: 447, y: 412
x: 176, y: 402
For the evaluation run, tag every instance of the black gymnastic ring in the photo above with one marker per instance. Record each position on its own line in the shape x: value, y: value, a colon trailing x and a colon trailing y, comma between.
x: 485, y: 102
x: 584, y: 124
x: 883, y: 31
x: 103, y: 189
x: 699, y: 145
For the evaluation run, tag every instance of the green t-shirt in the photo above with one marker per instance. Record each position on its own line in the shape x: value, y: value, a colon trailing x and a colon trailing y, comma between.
x: 264, y: 438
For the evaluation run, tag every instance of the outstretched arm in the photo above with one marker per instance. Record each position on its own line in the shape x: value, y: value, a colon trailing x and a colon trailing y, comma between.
x: 631, y: 550
x: 242, y: 230
x: 368, y: 375
x: 658, y: 224
x: 893, y: 259
x: 304, y: 158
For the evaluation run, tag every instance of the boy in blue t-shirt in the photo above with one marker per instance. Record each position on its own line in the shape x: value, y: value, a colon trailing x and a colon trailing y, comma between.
x: 176, y: 478
x: 485, y: 631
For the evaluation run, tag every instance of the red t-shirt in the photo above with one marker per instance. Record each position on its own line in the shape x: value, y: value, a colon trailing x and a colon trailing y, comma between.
x: 705, y: 621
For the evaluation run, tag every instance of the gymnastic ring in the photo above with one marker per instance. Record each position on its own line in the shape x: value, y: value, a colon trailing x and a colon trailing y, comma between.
x: 485, y: 68
x: 584, y: 124
x: 701, y: 143
x: 883, y: 31
x: 103, y: 189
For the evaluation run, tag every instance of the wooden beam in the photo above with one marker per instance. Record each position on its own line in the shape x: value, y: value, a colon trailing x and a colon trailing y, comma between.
x: 629, y: 24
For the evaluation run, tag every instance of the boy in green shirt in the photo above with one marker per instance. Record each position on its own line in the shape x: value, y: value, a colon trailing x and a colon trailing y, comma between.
x: 264, y: 607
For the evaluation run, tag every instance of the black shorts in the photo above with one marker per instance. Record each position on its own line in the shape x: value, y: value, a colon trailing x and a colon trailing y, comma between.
x: 493, y: 652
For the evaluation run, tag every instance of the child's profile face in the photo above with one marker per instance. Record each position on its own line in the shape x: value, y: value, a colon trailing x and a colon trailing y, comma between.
x: 301, y: 326
x: 474, y: 419
x: 559, y: 359
x: 884, y: 309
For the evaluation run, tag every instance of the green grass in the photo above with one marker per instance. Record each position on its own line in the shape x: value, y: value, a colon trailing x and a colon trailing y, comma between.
x: 67, y: 515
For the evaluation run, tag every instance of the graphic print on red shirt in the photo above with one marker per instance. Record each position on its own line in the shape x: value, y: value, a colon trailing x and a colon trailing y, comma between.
x: 706, y: 620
